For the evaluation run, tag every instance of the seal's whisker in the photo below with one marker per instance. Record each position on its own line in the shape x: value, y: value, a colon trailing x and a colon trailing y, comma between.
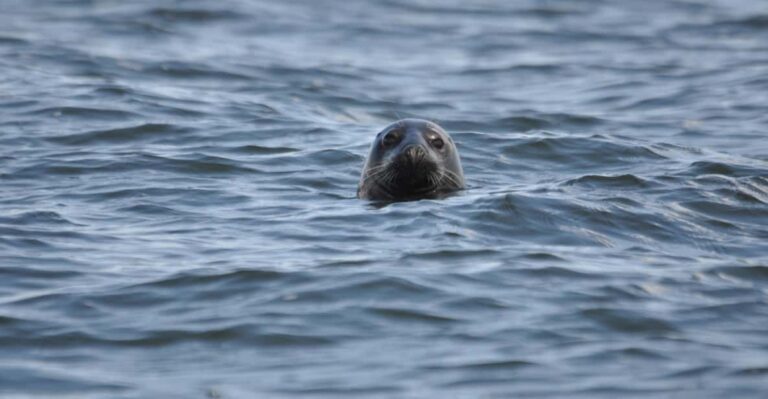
x: 375, y: 169
x: 452, y: 178
x: 378, y: 173
x: 381, y: 173
x: 456, y: 178
x: 434, y: 179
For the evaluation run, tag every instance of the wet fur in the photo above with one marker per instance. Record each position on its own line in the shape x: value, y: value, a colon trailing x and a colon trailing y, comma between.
x: 390, y: 174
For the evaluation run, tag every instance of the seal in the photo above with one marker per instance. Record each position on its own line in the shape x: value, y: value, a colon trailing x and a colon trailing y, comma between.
x: 411, y: 159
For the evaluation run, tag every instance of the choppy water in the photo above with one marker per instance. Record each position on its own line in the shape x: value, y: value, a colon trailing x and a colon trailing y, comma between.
x: 178, y: 220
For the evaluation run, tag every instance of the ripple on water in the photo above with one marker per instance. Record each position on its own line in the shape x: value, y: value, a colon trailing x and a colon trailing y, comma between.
x: 262, y: 150
x: 83, y: 113
x: 624, y: 320
x: 141, y: 133
x: 757, y: 274
x: 191, y: 164
x: 177, y: 211
x: 574, y: 152
x: 194, y: 71
x: 624, y: 182
x: 192, y: 15
x: 699, y: 168
x: 37, y: 218
x: 53, y: 382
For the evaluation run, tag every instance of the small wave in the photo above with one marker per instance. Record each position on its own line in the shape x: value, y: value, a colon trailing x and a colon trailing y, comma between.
x: 262, y: 150
x: 152, y: 209
x: 22, y: 242
x: 751, y: 371
x: 244, y: 333
x: 5, y: 104
x: 524, y: 123
x: 743, y: 195
x: 160, y: 195
x: 37, y: 217
x: 757, y: 273
x: 22, y: 380
x: 196, y: 281
x: 179, y: 70
x: 553, y: 272
x: 191, y: 164
x: 12, y: 41
x: 623, y: 320
x: 401, y: 315
x: 473, y: 306
x: 445, y: 254
x: 753, y: 22
x: 626, y: 181
x: 41, y: 235
x: 84, y: 113
x: 490, y: 365
x: 195, y: 164
x: 143, y: 132
x: 569, y: 152
x: 721, y: 34
x: 542, y: 256
x: 9, y: 322
x: 451, y: 10
x: 726, y: 169
x: 524, y: 217
x: 113, y: 90
x: 731, y: 212
x: 193, y: 15
x: 367, y: 287
x: 20, y: 273
x: 511, y: 69
x: 333, y: 157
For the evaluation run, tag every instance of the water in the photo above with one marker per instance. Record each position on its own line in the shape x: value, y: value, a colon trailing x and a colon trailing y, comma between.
x: 178, y: 220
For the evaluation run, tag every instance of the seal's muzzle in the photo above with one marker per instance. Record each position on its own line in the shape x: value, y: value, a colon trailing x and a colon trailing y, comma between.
x: 414, y: 154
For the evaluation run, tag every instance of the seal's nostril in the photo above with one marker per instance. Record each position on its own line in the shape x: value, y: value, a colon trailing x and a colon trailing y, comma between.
x: 415, y: 152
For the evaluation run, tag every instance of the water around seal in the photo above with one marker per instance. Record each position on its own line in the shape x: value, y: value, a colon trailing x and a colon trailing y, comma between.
x: 178, y: 215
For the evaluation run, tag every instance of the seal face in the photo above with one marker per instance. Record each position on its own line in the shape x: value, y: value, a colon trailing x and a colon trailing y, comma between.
x: 411, y: 159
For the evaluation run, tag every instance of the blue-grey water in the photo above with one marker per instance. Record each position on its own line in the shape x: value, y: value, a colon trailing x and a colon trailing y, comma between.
x: 178, y: 215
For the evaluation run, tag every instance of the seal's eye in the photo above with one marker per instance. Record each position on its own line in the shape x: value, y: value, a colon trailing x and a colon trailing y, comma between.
x: 438, y: 143
x: 391, y: 138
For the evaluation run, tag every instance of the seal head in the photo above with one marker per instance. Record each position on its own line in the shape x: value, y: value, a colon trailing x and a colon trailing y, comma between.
x: 411, y: 159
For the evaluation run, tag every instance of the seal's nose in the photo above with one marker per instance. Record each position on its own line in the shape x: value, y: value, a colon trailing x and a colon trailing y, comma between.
x: 415, y: 153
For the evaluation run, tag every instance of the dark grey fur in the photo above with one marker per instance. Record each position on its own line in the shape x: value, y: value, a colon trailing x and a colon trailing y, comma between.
x: 411, y: 159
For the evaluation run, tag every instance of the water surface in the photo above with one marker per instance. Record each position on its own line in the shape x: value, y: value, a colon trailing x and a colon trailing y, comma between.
x: 178, y: 215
